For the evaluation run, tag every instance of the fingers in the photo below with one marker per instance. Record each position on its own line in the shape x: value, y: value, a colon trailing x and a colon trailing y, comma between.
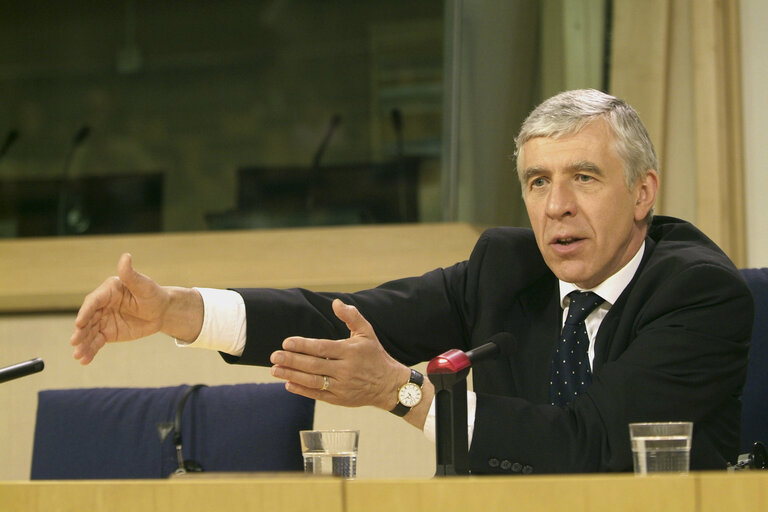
x: 83, y: 329
x: 309, y: 375
x: 87, y: 343
x: 88, y: 339
x: 325, y: 349
x: 356, y: 368
x: 85, y: 352
x: 317, y: 363
x: 313, y: 393
x: 107, y: 291
x: 124, y: 307
x: 316, y: 386
x: 88, y: 336
x: 306, y: 380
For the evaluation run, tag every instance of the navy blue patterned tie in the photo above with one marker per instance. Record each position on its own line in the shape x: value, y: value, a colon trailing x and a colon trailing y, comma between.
x: 570, y: 373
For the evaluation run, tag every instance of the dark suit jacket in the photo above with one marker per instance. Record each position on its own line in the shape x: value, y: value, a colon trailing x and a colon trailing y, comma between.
x: 673, y: 347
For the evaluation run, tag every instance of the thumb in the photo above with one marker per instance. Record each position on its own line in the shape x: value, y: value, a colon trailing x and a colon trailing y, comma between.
x: 134, y: 281
x: 355, y: 321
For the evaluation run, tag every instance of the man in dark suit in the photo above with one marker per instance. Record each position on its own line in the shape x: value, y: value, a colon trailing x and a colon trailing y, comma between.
x: 665, y: 335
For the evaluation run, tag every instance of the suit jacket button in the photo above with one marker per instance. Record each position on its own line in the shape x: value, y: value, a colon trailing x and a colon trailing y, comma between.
x: 493, y: 462
x: 517, y: 467
x: 527, y: 470
x: 505, y: 465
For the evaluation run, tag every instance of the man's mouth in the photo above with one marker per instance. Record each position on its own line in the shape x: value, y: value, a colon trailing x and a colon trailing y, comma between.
x: 567, y: 241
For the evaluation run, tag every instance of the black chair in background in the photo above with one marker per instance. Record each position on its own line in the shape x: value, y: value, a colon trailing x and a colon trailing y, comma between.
x: 754, y: 414
x: 104, y: 433
x: 754, y: 399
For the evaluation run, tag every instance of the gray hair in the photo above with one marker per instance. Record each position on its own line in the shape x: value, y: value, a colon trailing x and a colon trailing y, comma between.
x: 568, y: 112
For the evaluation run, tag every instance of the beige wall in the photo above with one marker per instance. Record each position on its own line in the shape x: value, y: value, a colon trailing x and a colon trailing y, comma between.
x: 388, y: 446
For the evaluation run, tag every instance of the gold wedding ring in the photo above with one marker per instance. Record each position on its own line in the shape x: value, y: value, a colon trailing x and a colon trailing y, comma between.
x: 326, y: 382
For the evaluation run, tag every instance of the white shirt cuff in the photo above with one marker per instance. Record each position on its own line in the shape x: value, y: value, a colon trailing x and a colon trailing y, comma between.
x: 430, y: 423
x: 224, y: 322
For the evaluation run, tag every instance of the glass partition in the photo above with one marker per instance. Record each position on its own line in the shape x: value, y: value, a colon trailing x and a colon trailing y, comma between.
x: 130, y: 116
x: 142, y: 116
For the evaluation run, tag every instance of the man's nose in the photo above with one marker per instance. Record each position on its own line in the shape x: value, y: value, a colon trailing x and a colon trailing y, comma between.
x: 561, y: 201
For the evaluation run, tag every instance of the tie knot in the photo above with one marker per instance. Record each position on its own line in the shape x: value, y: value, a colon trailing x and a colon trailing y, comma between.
x: 582, y: 304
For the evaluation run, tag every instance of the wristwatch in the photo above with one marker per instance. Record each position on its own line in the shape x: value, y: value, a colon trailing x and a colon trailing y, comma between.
x: 409, y: 394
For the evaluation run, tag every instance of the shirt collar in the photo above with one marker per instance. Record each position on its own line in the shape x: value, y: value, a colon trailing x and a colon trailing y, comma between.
x: 611, y: 288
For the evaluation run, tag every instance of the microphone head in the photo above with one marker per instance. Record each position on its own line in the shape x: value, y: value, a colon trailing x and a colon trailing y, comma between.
x: 21, y: 369
x: 450, y: 362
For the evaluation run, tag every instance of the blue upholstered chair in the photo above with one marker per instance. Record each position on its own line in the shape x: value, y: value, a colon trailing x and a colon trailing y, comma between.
x: 754, y: 414
x: 103, y: 433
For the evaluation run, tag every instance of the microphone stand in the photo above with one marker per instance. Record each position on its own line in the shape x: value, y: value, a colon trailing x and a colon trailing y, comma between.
x: 66, y: 185
x: 402, y: 184
x: 314, y: 177
x: 9, y: 140
x: 448, y: 373
x: 7, y: 188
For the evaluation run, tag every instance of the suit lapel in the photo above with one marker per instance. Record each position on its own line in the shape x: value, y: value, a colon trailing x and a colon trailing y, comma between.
x: 605, y: 340
x: 538, y: 334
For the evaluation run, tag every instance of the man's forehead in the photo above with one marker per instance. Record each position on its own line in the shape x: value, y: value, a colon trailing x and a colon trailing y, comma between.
x: 592, y: 149
x: 595, y: 138
x: 595, y: 127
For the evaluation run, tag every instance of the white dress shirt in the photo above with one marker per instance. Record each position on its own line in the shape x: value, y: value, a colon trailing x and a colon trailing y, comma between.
x: 224, y: 324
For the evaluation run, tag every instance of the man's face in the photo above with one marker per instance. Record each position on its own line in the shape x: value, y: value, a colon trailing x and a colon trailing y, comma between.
x: 587, y: 223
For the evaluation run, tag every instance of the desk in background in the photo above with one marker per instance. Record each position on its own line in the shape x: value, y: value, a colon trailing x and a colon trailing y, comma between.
x: 363, y: 193
x: 84, y: 205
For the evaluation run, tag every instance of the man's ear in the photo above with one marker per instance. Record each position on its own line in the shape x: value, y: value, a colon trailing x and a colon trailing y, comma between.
x: 645, y: 194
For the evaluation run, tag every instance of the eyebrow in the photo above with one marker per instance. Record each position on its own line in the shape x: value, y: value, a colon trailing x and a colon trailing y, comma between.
x: 586, y: 165
x: 581, y: 165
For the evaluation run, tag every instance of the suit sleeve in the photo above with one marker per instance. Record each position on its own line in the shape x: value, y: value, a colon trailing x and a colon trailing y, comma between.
x: 680, y: 355
x: 415, y: 318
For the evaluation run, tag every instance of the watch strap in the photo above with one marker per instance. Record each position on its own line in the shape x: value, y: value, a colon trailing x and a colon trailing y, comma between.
x: 402, y: 409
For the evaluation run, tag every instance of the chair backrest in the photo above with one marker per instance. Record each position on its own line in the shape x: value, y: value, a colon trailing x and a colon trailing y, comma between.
x: 754, y: 400
x: 101, y: 433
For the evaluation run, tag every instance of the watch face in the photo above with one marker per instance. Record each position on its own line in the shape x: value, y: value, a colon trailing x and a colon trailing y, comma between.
x: 410, y: 394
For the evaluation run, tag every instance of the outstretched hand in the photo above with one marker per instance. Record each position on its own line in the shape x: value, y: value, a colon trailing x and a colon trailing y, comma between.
x: 358, y: 369
x: 125, y: 307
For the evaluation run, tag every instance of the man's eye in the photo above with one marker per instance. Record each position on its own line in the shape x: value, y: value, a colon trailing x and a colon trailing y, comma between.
x: 583, y: 178
x: 538, y: 182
